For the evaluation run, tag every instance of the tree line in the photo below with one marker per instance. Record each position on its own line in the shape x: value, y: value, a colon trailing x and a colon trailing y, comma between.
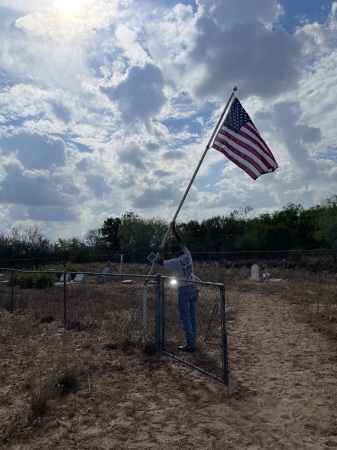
x: 291, y: 228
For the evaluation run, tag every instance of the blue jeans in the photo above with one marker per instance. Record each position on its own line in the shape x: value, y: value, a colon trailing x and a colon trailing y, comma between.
x: 187, y: 306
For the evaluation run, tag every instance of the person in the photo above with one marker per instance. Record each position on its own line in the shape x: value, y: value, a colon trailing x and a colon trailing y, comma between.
x: 181, y: 264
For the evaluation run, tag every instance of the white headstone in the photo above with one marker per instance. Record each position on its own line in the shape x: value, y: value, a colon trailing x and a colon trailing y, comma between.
x: 255, y: 273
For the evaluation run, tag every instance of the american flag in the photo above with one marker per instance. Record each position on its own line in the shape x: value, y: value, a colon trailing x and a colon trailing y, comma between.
x: 239, y: 140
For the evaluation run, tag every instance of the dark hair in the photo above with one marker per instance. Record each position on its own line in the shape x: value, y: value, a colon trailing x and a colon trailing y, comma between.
x: 176, y: 248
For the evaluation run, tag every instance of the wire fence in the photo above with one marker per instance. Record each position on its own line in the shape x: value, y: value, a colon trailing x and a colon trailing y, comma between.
x: 83, y: 301
x: 292, y: 256
x: 135, y: 308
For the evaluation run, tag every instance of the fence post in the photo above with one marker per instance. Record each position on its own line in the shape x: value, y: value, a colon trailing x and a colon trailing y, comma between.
x: 12, y: 291
x: 224, y: 336
x: 158, y: 315
x: 163, y: 314
x: 145, y: 310
x: 65, y: 298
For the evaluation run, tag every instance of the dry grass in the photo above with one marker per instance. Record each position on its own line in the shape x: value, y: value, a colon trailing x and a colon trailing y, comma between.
x: 57, y: 385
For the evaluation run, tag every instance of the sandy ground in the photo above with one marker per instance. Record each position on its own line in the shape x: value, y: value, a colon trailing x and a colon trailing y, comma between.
x: 282, y: 393
x: 286, y: 379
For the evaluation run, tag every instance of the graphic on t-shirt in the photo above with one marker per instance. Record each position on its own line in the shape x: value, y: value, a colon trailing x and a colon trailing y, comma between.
x: 182, y: 267
x: 187, y: 268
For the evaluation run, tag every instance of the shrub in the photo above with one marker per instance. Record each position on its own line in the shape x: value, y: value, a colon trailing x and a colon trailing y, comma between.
x: 47, y: 319
x: 42, y: 280
x: 33, y: 280
x: 39, y: 402
x: 24, y: 281
x: 68, y: 382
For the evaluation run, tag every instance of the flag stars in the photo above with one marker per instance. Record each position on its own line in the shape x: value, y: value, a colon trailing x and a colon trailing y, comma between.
x: 237, y: 116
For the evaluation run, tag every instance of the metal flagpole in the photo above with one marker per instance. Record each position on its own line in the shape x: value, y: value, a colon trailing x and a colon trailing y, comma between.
x: 198, y: 167
x: 183, y: 199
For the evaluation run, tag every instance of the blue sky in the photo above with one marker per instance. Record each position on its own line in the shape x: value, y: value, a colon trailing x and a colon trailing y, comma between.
x: 107, y: 106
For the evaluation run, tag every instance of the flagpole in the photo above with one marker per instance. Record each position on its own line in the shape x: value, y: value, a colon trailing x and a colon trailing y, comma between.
x: 198, y: 167
x: 183, y: 199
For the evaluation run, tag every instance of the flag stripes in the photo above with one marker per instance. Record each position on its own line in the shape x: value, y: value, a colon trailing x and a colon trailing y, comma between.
x: 239, y: 140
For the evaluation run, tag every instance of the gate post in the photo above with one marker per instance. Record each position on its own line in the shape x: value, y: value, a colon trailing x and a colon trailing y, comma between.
x: 224, y: 336
x: 65, y: 298
x: 162, y: 312
x: 159, y: 299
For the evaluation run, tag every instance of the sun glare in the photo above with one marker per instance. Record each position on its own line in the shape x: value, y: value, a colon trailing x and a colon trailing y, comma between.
x: 69, y: 7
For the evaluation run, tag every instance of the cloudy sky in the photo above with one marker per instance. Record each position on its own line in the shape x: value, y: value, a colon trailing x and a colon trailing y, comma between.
x: 107, y: 106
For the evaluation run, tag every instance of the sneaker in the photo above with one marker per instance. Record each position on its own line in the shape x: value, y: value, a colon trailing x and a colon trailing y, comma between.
x: 185, y: 348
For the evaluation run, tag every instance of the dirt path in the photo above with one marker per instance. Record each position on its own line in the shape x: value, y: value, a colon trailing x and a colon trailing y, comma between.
x: 284, y: 383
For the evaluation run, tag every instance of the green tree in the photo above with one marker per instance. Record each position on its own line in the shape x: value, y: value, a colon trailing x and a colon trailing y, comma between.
x: 289, y: 215
x: 326, y: 227
x: 305, y: 237
x: 138, y: 235
x: 277, y: 237
x: 193, y: 235
x: 72, y: 249
x: 254, y: 232
x: 111, y: 234
x: 236, y: 228
x: 96, y: 244
x: 214, y: 234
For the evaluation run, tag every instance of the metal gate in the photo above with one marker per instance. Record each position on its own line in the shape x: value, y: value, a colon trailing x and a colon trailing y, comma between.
x: 211, y: 356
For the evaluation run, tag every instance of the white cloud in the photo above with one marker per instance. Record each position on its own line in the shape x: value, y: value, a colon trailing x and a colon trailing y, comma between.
x: 140, y: 95
x: 229, y: 13
x: 108, y: 106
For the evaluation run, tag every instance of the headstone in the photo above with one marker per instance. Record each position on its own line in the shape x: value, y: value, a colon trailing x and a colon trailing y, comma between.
x: 79, y: 278
x: 67, y: 277
x: 255, y: 273
x: 101, y: 279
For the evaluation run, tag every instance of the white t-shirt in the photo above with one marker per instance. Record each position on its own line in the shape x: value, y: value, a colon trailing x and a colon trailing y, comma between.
x: 182, y: 268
